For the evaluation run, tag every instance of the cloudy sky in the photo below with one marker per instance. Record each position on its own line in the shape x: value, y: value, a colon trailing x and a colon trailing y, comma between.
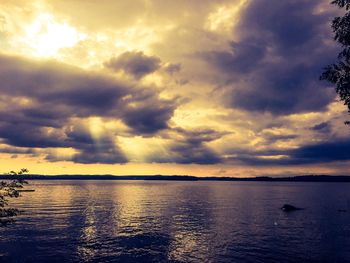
x: 200, y: 87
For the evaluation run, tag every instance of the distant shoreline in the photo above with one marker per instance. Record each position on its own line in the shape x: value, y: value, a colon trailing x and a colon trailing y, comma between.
x: 301, y: 178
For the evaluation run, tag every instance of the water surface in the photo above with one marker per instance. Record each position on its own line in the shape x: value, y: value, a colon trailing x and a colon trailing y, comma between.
x: 165, y: 221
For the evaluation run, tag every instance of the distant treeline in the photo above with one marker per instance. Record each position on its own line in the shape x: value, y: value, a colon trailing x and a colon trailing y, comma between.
x: 303, y: 178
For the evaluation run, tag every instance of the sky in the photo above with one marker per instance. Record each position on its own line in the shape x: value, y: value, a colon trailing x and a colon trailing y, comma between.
x: 196, y: 87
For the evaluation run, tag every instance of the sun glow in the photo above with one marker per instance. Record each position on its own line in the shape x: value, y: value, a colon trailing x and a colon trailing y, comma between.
x: 96, y: 127
x: 45, y: 37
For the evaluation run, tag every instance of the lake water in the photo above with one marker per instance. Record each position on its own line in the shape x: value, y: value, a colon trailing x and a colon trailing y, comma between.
x: 163, y: 221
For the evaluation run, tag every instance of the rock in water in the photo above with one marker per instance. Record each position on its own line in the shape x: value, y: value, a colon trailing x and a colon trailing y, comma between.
x: 289, y: 208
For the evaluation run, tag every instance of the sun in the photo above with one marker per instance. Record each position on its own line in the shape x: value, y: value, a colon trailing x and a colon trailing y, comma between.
x: 44, y: 37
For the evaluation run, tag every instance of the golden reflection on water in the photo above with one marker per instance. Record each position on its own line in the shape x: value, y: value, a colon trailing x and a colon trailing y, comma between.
x: 129, y: 208
x: 189, y: 226
x: 88, y: 235
x: 87, y: 239
x: 121, y: 211
x: 184, y: 243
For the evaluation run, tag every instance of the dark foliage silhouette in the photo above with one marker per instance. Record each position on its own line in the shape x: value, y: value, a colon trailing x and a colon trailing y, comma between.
x: 339, y: 73
x: 10, y: 189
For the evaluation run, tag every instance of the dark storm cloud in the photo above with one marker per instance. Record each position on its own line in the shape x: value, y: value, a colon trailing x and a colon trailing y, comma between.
x: 275, y: 65
x: 49, y: 82
x: 16, y: 150
x: 106, y: 153
x: 323, y: 127
x: 39, y: 98
x: 190, y: 147
x: 78, y: 134
x: 146, y: 114
x: 24, y: 135
x: 337, y: 150
x: 322, y: 152
x: 99, y: 150
x: 148, y: 120
x: 134, y: 63
x: 282, y: 91
x: 285, y: 24
x: 45, y: 115
x: 242, y: 59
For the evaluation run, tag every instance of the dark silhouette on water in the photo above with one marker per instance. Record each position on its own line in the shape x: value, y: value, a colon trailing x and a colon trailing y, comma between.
x: 290, y: 208
x: 342, y: 210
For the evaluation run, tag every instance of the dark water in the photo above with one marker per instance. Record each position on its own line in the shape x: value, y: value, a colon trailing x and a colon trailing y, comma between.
x: 138, y: 221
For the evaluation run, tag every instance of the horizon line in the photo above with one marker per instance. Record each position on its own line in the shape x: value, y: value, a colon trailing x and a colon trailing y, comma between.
x: 295, y: 178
